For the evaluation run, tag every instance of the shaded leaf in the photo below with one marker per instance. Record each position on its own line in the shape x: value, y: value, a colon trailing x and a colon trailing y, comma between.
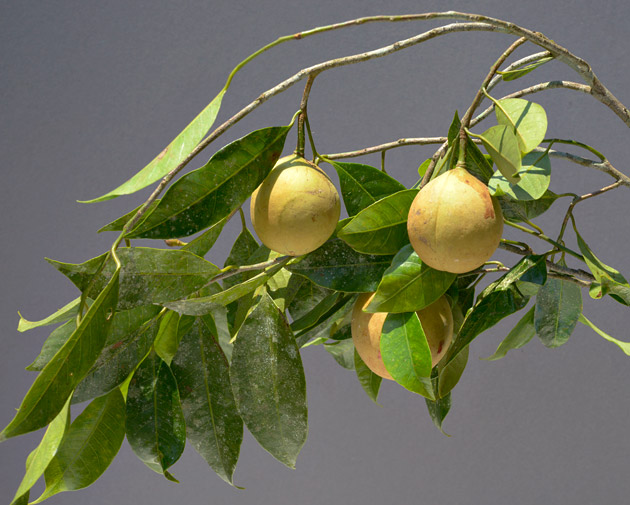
x: 535, y: 176
x: 363, y: 185
x: 520, y: 335
x: 476, y: 163
x: 119, y: 223
x: 343, y: 352
x: 335, y: 265
x: 268, y: 382
x: 307, y: 296
x: 528, y: 121
x: 167, y: 338
x: 380, y: 228
x: 244, y: 246
x: 511, y: 75
x: 516, y: 210
x: 172, y: 155
x: 213, y: 424
x: 406, y: 354
x: 624, y: 346
x: 409, y: 285
x: 450, y: 373
x: 328, y: 322
x: 52, y: 387
x: 370, y: 382
x: 156, y: 430
x: 502, y: 145
x: 438, y: 410
x: 311, y: 318
x: 88, y: 447
x: 204, y: 242
x: 53, y: 343
x: 205, y: 196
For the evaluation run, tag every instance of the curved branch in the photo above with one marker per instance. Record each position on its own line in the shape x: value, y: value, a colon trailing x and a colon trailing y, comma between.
x: 421, y: 141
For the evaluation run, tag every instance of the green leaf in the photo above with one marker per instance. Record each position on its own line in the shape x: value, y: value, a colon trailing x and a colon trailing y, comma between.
x: 520, y: 335
x: 278, y: 288
x: 516, y: 210
x: 406, y: 354
x: 204, y: 242
x: 172, y: 155
x: 62, y: 315
x: 624, y: 346
x: 156, y: 430
x: 328, y: 322
x: 380, y: 228
x: 268, y: 382
x: 409, y: 285
x: 307, y: 296
x: 610, y: 281
x: 535, y: 176
x: 119, y: 223
x: 363, y: 185
x: 55, y: 383
x: 167, y: 338
x: 147, y: 276
x: 41, y: 456
x: 244, y: 246
x: 125, y: 348
x: 53, y: 343
x: 528, y: 121
x: 438, y: 410
x: 558, y: 307
x: 205, y: 196
x: 311, y: 318
x: 476, y: 162
x: 450, y: 373
x: 343, y: 352
x: 502, y: 144
x: 213, y: 424
x: 370, y: 382
x: 88, y: 447
x: 511, y: 75
x: 335, y: 265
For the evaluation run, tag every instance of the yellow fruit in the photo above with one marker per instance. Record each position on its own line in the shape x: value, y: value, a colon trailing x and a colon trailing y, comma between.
x: 296, y: 208
x: 437, y: 323
x: 454, y: 224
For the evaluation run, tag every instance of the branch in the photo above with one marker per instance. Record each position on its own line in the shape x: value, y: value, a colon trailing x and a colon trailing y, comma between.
x: 303, y: 116
x: 422, y: 141
x: 231, y: 270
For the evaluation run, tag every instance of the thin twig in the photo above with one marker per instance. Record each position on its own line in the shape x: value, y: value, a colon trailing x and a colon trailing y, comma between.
x: 421, y: 141
x: 299, y: 150
x: 231, y: 270
x: 544, y: 237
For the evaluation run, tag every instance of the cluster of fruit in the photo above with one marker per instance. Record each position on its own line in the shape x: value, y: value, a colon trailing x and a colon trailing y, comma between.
x: 454, y: 225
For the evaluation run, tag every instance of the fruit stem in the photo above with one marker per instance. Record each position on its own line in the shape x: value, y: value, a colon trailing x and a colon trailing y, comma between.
x: 301, y: 140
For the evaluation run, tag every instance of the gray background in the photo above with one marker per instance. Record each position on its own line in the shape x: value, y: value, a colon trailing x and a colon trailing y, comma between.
x: 91, y: 91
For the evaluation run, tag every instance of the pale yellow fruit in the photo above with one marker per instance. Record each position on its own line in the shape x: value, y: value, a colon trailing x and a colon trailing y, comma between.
x: 454, y: 224
x: 436, y: 320
x: 296, y: 208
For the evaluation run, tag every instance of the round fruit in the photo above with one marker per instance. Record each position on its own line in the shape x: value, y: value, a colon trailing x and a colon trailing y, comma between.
x: 437, y: 323
x: 454, y: 224
x: 296, y: 208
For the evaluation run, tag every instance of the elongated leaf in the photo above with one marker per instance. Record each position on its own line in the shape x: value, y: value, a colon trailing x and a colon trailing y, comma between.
x: 204, y: 242
x: 558, y: 307
x: 39, y: 459
x: 328, y: 322
x: 156, y: 430
x: 380, y: 228
x: 502, y: 145
x: 89, y: 446
x: 438, y: 410
x: 307, y: 296
x: 343, y: 352
x: 363, y: 185
x: 450, y: 373
x: 409, y: 285
x: 119, y: 223
x: 335, y: 265
x: 520, y: 335
x: 167, y: 338
x: 244, y: 246
x: 516, y: 210
x: 172, y: 155
x: 53, y: 343
x: 311, y: 318
x: 62, y: 315
x: 268, y: 382
x: 370, y: 382
x: 205, y: 196
x: 476, y: 163
x: 610, y: 281
x: 147, y: 276
x: 55, y: 383
x: 117, y: 361
x: 624, y: 346
x: 406, y: 354
x: 535, y: 176
x: 517, y: 73
x: 527, y: 119
x: 213, y: 424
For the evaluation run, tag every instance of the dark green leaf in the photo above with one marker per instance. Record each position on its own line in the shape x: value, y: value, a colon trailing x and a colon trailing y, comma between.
x: 406, y: 354
x: 119, y: 223
x: 212, y: 421
x: 380, y: 228
x: 204, y: 242
x: 511, y: 75
x: 328, y: 322
x: 53, y: 343
x: 307, y: 296
x: 535, y: 175
x: 370, y: 382
x: 89, y: 446
x: 362, y: 185
x: 41, y: 456
x: 156, y: 430
x: 558, y: 307
x: 343, y: 352
x: 268, y: 382
x: 205, y: 196
x: 244, y: 246
x: 476, y: 163
x: 409, y: 285
x: 311, y: 318
x: 502, y: 144
x: 528, y: 121
x: 515, y: 210
x: 147, y: 276
x: 335, y: 265
x: 624, y: 346
x: 167, y: 338
x: 57, y: 380
x: 450, y: 373
x: 438, y: 410
x: 520, y: 335
x: 172, y: 155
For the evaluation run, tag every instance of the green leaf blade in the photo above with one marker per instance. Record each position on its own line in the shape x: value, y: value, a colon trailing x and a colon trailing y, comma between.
x: 502, y: 146
x: 535, y: 176
x: 528, y: 121
x: 518, y: 336
x: 370, y: 382
x: 558, y: 307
